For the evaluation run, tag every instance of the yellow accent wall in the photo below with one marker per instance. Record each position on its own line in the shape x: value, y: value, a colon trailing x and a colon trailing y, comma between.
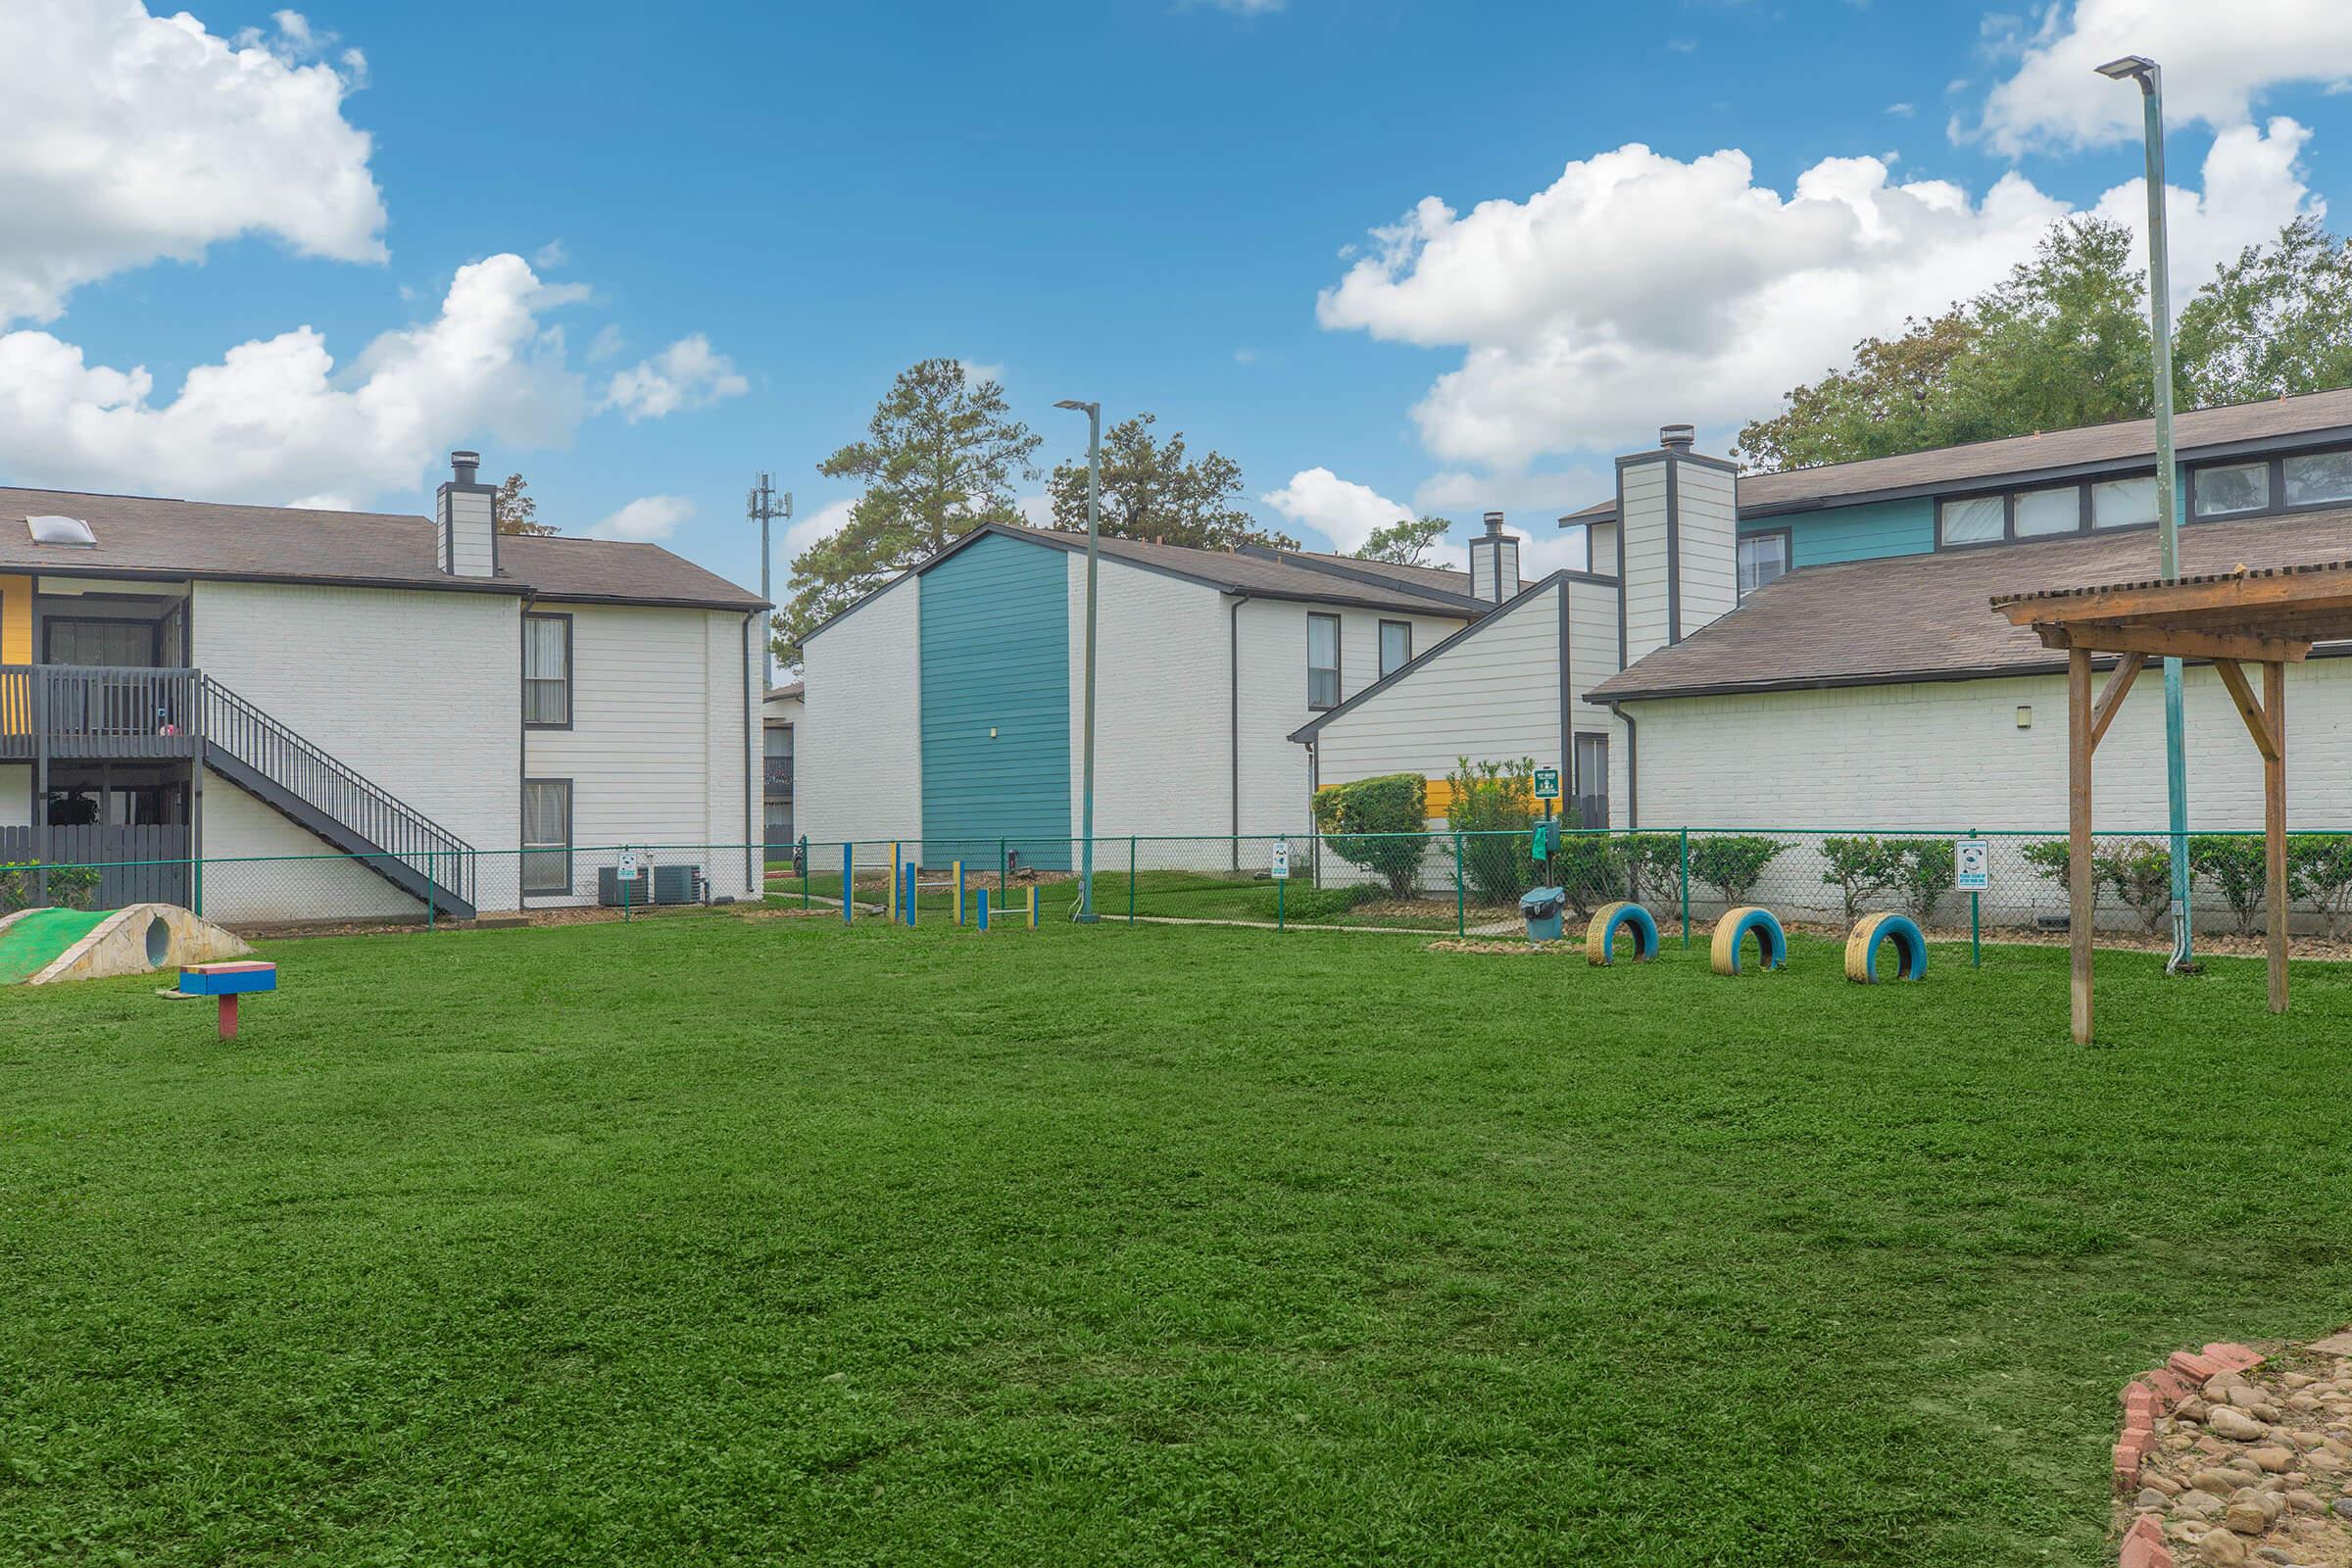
x: 16, y: 620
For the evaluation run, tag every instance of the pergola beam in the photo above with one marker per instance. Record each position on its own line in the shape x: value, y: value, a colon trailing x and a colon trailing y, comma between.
x: 2110, y: 695
x: 2258, y: 722
x: 2117, y: 637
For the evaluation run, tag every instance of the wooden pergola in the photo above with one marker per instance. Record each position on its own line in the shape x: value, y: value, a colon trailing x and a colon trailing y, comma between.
x: 2269, y: 617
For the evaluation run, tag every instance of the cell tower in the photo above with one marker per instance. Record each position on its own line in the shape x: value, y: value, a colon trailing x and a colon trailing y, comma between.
x: 765, y: 507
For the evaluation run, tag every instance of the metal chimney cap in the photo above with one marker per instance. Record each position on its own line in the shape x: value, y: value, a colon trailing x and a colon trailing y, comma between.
x: 1677, y: 437
x: 1493, y: 522
x: 465, y: 464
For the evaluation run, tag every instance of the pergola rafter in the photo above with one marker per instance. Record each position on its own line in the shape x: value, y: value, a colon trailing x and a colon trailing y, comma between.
x: 2232, y: 620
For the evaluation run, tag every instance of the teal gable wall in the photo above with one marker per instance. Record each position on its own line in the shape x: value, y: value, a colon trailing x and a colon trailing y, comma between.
x: 996, y: 655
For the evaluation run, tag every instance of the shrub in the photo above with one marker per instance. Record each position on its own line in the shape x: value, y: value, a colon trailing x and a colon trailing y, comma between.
x: 1924, y: 870
x: 2232, y: 864
x: 1299, y: 902
x: 1489, y: 799
x: 70, y: 887
x: 1590, y: 869
x: 1732, y: 863
x: 2137, y: 872
x: 2319, y: 867
x: 1653, y: 866
x: 1861, y: 868
x: 1377, y: 823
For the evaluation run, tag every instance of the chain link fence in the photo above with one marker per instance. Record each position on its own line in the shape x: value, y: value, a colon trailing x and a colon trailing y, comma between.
x: 1439, y: 882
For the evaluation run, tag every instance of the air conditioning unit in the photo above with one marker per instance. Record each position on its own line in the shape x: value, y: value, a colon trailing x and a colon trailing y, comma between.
x: 613, y: 890
x: 677, y: 884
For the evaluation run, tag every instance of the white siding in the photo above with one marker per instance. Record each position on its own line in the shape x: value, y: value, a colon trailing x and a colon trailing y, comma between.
x: 861, y: 757
x: 471, y: 527
x: 1706, y: 544
x: 1600, y: 547
x: 1163, y: 733
x: 260, y: 870
x: 1273, y: 693
x: 1592, y: 660
x: 658, y: 748
x: 1493, y: 696
x: 1642, y: 550
x: 1948, y: 755
x: 419, y: 692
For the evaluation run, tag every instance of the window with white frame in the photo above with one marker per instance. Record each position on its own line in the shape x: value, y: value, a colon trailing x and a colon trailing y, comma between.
x: 1396, y: 646
x: 547, y: 835
x: 2123, y: 503
x: 2054, y: 509
x: 547, y: 671
x: 1972, y: 520
x: 1763, y: 557
x: 1322, y: 661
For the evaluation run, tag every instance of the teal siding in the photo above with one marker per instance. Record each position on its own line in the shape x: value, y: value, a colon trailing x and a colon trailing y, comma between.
x: 996, y: 652
x: 1856, y: 533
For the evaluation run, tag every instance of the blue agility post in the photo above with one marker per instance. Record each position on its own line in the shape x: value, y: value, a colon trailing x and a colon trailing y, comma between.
x: 906, y: 893
x: 849, y: 874
x: 983, y: 910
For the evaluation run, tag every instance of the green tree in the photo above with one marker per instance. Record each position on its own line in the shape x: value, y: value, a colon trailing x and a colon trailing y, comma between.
x: 1734, y: 862
x: 1150, y: 490
x: 1406, y: 542
x: 2275, y: 321
x: 2062, y: 341
x: 938, y: 459
x: 518, y: 513
x: 1380, y: 824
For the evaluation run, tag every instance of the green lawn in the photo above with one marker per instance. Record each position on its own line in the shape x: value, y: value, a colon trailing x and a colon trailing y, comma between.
x: 707, y: 1240
x: 1248, y: 896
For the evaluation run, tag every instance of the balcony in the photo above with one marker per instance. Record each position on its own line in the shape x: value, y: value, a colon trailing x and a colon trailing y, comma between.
x: 81, y: 712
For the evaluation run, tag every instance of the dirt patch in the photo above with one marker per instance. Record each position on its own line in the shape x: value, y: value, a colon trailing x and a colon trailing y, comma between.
x: 1521, y: 946
x: 592, y: 915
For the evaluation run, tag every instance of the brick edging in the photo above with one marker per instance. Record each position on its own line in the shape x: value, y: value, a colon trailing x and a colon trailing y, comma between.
x: 2156, y: 1393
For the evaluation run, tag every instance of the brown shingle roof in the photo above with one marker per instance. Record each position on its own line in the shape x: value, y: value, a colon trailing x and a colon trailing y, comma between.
x: 1929, y: 616
x: 1991, y: 461
x: 1248, y: 573
x: 153, y: 537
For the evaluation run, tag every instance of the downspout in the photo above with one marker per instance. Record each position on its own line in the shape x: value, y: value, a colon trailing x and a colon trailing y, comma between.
x: 1234, y: 719
x: 1633, y: 754
x: 523, y: 743
x: 1314, y: 778
x: 753, y: 822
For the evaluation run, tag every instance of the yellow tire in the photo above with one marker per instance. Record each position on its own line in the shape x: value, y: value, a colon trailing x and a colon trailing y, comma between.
x: 1872, y: 932
x: 1772, y: 943
x: 1600, y: 937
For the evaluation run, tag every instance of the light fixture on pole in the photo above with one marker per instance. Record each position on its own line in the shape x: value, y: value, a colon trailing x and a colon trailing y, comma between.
x: 1094, y: 512
x: 2150, y: 78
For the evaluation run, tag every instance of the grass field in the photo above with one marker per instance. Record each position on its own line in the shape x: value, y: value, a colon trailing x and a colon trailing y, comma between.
x: 709, y: 1240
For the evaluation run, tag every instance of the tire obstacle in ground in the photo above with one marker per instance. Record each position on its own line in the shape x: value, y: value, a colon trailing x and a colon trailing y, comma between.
x: 1874, y: 931
x: 1772, y: 943
x: 1600, y: 937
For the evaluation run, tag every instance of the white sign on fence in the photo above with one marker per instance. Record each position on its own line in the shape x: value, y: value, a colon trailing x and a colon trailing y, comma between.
x: 1282, y: 860
x: 628, y: 865
x: 1972, y: 864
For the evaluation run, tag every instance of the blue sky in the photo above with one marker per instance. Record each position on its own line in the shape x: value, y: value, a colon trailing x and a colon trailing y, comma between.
x: 1168, y: 207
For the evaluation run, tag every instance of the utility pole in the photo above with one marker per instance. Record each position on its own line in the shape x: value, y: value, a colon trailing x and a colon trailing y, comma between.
x: 765, y: 507
x: 2146, y: 73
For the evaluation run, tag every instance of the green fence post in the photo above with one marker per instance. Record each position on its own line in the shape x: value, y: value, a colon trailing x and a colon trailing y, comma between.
x: 1460, y: 905
x: 625, y: 911
x: 849, y: 878
x: 1131, y: 879
x: 1686, y: 887
x: 805, y: 846
x: 1975, y: 940
x: 431, y: 865
x: 1001, y: 864
x: 1280, y: 884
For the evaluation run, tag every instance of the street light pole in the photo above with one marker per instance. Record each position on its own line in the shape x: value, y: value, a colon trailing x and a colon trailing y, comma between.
x: 1094, y: 516
x: 2150, y: 78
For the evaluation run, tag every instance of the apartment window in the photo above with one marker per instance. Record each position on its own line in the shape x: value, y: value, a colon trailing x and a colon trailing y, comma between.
x: 1762, y: 557
x: 1396, y: 646
x: 2235, y: 487
x: 2040, y: 513
x: 1322, y: 661
x: 2123, y: 503
x: 1975, y: 521
x: 1592, y: 782
x: 547, y: 671
x: 547, y: 835
x: 2320, y: 478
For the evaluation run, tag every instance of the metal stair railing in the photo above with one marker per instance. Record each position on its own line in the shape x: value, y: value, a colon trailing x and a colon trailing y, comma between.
x: 373, y: 814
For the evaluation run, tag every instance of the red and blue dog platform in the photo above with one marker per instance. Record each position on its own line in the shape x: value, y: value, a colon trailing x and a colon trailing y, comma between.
x: 228, y: 982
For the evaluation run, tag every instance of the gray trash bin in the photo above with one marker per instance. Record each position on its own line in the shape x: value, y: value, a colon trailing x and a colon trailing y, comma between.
x: 1541, y: 908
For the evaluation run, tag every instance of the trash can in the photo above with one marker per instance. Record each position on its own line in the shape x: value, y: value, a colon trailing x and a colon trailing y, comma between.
x: 1541, y: 908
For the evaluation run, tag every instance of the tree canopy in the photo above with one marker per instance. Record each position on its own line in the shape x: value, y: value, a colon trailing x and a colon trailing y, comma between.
x: 1406, y: 542
x: 1150, y: 490
x: 2064, y: 341
x: 518, y: 513
x: 938, y: 459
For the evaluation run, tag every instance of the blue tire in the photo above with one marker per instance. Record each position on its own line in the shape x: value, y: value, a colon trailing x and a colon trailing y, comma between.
x: 1874, y: 931
x: 1600, y: 937
x: 1772, y: 943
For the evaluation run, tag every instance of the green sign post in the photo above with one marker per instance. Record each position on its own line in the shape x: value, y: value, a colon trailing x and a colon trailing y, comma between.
x: 1548, y: 790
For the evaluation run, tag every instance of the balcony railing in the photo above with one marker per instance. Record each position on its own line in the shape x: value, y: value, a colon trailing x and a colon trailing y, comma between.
x: 80, y: 712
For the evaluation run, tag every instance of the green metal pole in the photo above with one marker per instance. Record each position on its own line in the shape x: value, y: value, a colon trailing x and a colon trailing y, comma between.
x: 2150, y: 78
x: 1460, y: 904
x: 431, y: 865
x: 1131, y: 879
x: 1686, y: 887
x: 1280, y: 884
x: 849, y: 878
x: 805, y: 871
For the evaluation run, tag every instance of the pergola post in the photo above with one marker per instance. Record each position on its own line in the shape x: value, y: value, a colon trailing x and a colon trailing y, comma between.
x: 2078, y: 858
x: 2273, y: 824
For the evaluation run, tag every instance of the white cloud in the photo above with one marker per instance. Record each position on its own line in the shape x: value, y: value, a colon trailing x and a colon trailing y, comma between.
x: 275, y: 417
x: 808, y: 528
x: 976, y: 371
x: 1341, y: 510
x: 1639, y: 288
x: 1902, y: 111
x: 1540, y: 496
x: 2217, y: 60
x: 133, y: 137
x: 605, y: 344
x: 646, y: 519
x: 687, y: 374
x: 1247, y: 8
x: 551, y: 256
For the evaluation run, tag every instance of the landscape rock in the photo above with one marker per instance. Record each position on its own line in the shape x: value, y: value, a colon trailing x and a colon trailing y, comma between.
x: 2221, y: 1550
x: 2273, y: 1457
x: 2230, y: 1422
